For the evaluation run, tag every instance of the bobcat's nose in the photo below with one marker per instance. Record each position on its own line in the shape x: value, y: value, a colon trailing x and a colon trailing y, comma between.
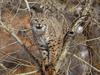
x: 39, y: 26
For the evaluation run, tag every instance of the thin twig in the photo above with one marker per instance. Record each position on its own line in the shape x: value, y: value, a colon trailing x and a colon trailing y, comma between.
x: 33, y: 59
x: 85, y: 62
x: 68, y: 69
x: 27, y: 5
x: 62, y: 57
x: 1, y: 65
x: 8, y: 45
x: 0, y: 10
x: 28, y: 73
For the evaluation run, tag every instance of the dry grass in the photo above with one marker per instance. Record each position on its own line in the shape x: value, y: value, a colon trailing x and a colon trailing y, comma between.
x: 20, y: 52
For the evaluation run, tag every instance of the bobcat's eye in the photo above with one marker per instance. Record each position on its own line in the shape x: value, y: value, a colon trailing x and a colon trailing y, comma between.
x: 42, y: 20
x: 35, y: 20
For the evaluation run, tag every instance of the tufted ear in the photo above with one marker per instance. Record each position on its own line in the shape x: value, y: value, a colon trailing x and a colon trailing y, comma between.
x: 33, y: 13
x: 37, y: 7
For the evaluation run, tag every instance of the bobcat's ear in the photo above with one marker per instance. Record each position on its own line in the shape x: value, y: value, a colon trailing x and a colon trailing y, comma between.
x: 38, y: 8
x: 33, y: 13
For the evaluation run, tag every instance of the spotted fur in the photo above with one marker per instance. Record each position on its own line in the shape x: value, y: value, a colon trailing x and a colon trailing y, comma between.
x: 49, y: 33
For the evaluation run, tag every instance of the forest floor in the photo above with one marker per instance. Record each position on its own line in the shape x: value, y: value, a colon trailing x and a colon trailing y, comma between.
x: 49, y: 37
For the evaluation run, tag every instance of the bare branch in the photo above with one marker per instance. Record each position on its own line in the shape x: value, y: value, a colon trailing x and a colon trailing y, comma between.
x: 85, y: 62
x: 27, y: 4
x: 28, y: 73
x: 34, y: 60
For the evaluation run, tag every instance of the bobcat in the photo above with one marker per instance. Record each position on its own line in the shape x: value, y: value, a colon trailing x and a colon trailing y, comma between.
x: 49, y: 33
